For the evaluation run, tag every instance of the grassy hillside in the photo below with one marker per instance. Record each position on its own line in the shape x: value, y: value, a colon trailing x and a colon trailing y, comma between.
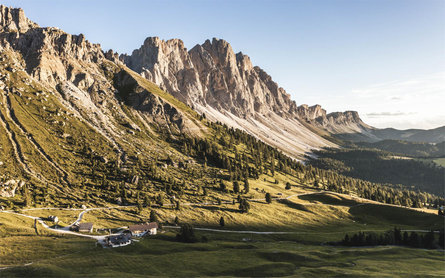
x: 309, y: 220
x: 126, y: 159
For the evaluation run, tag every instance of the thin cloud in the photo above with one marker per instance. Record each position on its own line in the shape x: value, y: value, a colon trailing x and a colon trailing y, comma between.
x: 412, y: 103
x: 427, y: 85
x: 389, y: 114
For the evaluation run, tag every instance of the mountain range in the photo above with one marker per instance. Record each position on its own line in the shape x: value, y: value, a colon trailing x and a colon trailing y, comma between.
x: 58, y: 89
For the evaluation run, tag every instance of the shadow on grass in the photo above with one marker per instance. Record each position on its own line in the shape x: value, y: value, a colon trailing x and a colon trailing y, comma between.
x: 294, y: 205
x: 377, y: 214
x: 216, y: 208
x: 262, y: 270
x: 329, y: 199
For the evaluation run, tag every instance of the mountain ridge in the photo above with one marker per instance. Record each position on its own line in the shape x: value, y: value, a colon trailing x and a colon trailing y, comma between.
x: 227, y: 87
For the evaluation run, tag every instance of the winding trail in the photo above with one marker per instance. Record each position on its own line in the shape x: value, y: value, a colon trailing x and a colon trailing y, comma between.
x: 66, y: 230
x: 101, y: 238
x: 289, y: 232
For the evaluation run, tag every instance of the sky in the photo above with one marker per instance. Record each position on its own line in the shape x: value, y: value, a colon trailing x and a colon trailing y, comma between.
x: 382, y: 58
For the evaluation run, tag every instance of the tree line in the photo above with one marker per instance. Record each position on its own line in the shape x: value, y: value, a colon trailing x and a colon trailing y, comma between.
x: 429, y: 240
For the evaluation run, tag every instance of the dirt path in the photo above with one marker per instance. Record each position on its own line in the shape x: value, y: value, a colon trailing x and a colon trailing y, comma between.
x: 65, y: 230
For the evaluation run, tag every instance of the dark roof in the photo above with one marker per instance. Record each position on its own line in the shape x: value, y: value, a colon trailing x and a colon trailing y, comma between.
x: 85, y: 226
x: 118, y: 239
x: 143, y: 227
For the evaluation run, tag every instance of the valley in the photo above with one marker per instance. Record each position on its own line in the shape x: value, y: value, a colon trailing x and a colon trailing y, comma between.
x: 233, y: 176
x: 293, y: 232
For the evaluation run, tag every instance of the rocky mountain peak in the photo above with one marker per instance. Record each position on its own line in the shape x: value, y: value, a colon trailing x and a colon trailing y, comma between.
x: 310, y: 113
x: 244, y: 63
x: 227, y: 87
x: 14, y: 20
x: 221, y: 52
x: 49, y: 54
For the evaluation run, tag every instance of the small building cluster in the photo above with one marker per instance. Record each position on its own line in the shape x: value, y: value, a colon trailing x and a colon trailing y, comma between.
x: 119, y: 240
x: 53, y: 218
x: 138, y: 230
x: 83, y: 227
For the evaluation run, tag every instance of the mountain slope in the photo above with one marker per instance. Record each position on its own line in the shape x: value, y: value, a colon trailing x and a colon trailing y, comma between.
x: 64, y: 105
x: 79, y: 126
x: 226, y: 87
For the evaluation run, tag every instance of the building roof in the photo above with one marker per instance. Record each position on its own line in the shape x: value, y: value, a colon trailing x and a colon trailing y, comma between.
x: 118, y: 239
x: 85, y: 226
x: 143, y: 227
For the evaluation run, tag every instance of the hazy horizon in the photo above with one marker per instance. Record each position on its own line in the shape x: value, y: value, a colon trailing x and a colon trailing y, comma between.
x: 384, y: 59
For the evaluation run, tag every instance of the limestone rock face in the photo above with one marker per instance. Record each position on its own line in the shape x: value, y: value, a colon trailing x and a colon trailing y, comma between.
x: 10, y: 187
x: 84, y: 76
x: 211, y: 74
x: 168, y: 65
x: 342, y: 122
x: 14, y: 20
x: 310, y: 113
x: 228, y: 88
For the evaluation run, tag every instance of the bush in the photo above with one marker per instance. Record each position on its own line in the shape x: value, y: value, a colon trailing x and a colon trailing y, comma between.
x: 186, y: 234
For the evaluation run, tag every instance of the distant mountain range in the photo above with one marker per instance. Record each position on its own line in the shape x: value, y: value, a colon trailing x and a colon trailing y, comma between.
x: 435, y: 135
x: 228, y: 88
x: 92, y: 85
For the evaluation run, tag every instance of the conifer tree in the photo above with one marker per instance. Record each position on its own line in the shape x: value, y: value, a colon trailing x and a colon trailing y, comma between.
x: 153, y: 216
x: 246, y: 186
x: 268, y: 198
x: 221, y: 221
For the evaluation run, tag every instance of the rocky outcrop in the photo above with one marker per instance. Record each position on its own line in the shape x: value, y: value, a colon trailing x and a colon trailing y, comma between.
x: 9, y: 188
x: 72, y: 83
x: 343, y: 122
x: 228, y: 88
x: 210, y: 74
x: 310, y: 113
x: 83, y: 74
x: 14, y: 20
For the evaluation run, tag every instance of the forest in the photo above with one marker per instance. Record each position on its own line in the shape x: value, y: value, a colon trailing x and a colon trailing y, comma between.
x: 156, y: 182
x: 382, y: 167
x: 407, y: 148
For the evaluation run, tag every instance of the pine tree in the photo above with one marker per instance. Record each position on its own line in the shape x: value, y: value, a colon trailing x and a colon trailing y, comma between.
x: 186, y: 234
x: 244, y: 205
x: 246, y: 186
x: 288, y: 186
x: 236, y: 188
x: 441, y: 239
x: 221, y: 221
x: 268, y: 198
x: 153, y: 216
x: 222, y: 186
x: 178, y: 205
x: 176, y: 220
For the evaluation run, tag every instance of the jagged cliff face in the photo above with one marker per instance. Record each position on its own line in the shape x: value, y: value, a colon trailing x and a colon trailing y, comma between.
x: 71, y: 63
x: 228, y: 88
x: 210, y: 74
x: 57, y: 90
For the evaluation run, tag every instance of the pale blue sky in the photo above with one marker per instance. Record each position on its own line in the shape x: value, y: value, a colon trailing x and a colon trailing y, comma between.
x: 383, y: 58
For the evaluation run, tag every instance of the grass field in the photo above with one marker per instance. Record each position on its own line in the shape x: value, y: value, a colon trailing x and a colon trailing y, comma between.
x: 438, y: 161
x: 311, y: 220
x: 261, y: 256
